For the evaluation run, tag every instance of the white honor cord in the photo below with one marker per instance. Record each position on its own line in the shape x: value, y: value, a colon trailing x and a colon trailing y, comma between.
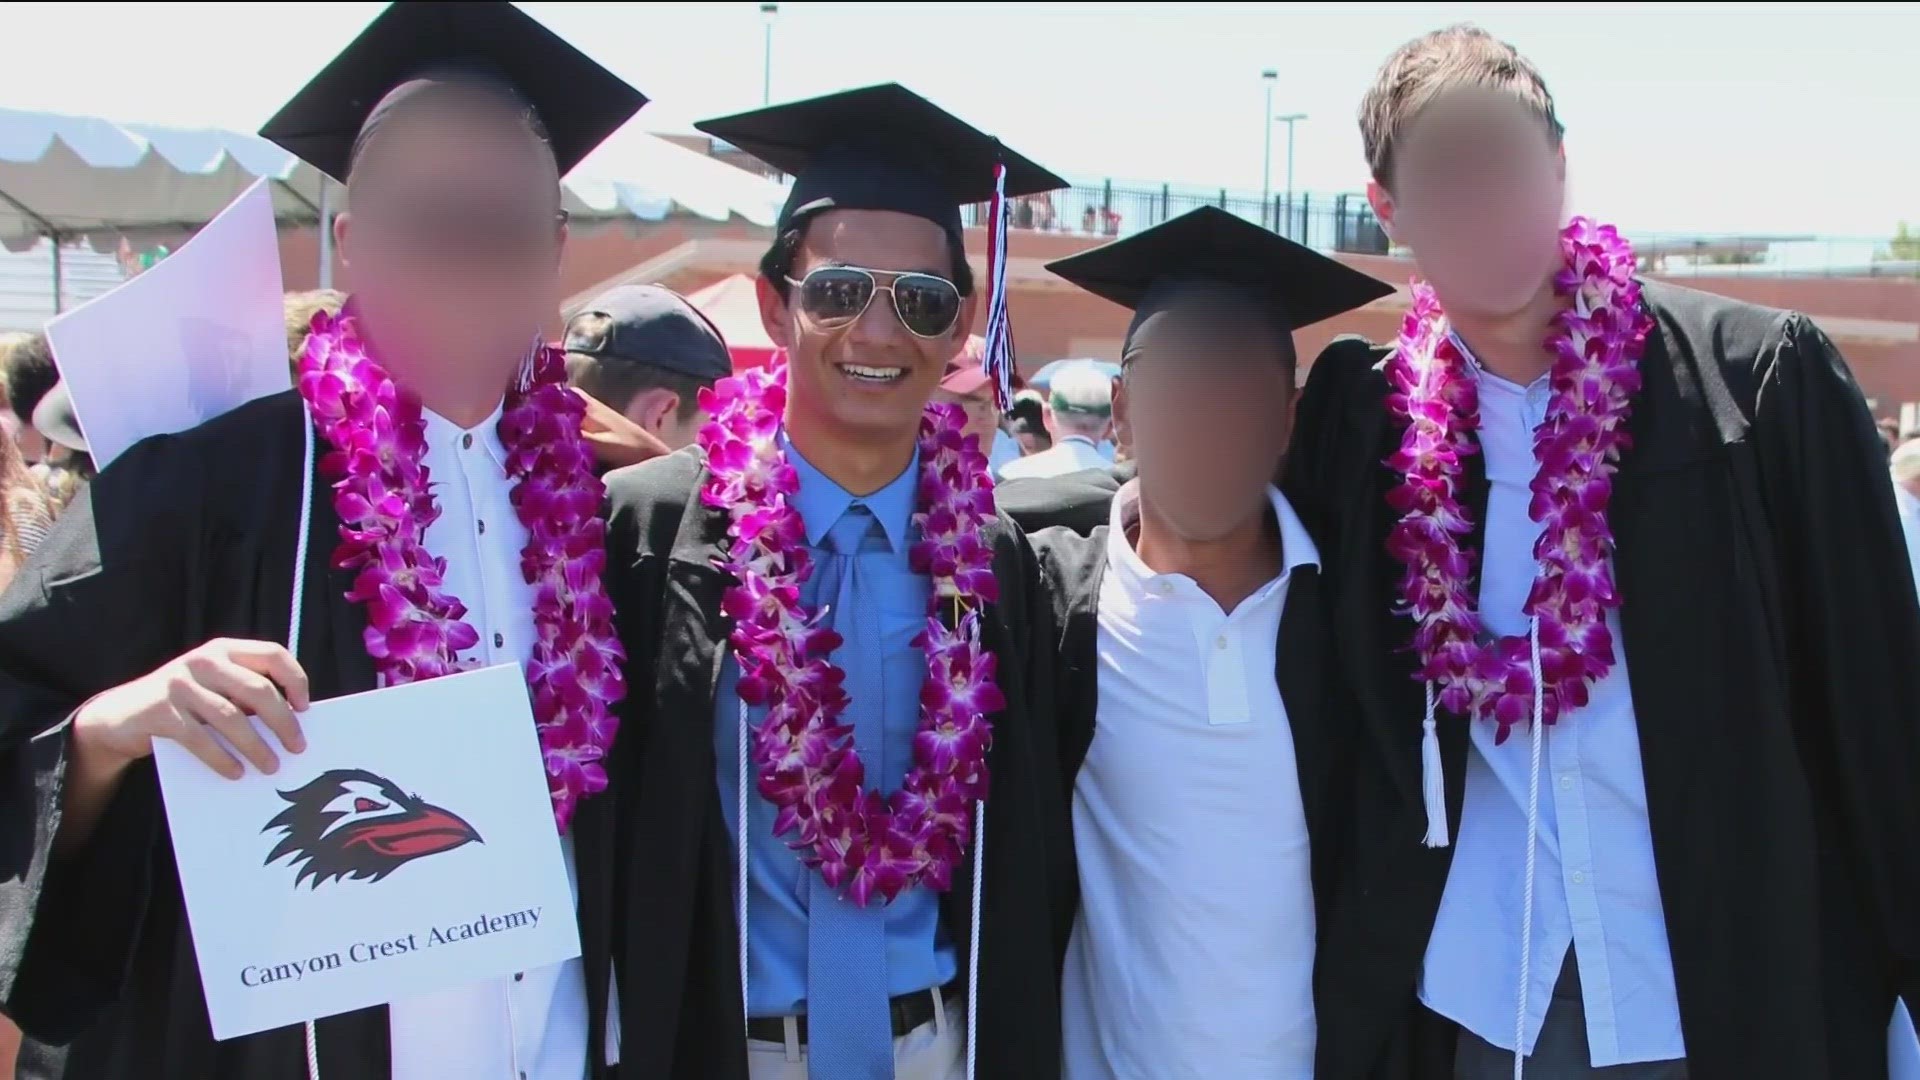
x: 973, y: 928
x: 740, y: 846
x: 1533, y: 837
x: 293, y: 630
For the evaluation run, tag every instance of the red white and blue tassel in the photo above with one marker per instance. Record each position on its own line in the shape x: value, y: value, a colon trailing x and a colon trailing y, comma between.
x: 999, y: 350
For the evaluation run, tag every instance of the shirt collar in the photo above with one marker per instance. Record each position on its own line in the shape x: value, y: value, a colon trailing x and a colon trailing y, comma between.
x: 821, y: 501
x: 1296, y: 545
x: 445, y: 435
x: 1487, y: 377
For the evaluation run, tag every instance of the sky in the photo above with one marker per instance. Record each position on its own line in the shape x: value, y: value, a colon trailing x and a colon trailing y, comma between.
x: 1780, y: 119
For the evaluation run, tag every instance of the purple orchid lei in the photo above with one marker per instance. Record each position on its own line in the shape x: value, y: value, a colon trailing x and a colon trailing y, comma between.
x: 1596, y: 343
x: 382, y: 491
x: 803, y: 755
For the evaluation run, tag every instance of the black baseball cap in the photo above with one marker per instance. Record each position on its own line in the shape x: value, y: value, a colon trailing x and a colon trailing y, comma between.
x: 54, y: 418
x: 649, y: 324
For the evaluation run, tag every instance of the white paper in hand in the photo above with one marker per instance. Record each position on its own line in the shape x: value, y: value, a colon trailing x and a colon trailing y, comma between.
x: 200, y: 333
x: 409, y: 849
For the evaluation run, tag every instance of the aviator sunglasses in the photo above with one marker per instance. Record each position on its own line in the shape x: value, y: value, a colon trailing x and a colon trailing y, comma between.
x: 836, y: 296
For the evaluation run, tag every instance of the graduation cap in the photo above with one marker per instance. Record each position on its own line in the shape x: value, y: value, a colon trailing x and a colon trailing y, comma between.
x: 879, y: 148
x: 887, y: 148
x: 491, y: 41
x: 1211, y: 254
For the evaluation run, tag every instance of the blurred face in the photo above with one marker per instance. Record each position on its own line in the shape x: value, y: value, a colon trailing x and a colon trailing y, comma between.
x: 1477, y: 193
x: 1207, y: 412
x: 454, y: 238
x: 983, y: 418
x: 862, y: 377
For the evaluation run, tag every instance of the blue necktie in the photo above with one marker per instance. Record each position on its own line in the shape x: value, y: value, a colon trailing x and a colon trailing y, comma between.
x: 849, y: 1026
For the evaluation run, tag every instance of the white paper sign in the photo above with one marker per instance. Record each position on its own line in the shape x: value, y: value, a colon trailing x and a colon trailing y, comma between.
x: 201, y: 332
x: 409, y: 849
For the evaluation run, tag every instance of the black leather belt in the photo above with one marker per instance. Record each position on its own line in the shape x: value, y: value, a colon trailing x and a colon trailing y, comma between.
x: 908, y: 1011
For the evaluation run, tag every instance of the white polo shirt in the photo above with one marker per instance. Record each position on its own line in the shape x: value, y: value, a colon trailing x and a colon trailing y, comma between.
x: 1192, y: 952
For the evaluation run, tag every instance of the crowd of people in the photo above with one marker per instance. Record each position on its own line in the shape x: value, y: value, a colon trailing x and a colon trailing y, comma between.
x: 1523, y: 697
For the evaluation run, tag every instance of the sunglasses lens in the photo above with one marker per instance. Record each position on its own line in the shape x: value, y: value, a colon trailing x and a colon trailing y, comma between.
x: 832, y: 296
x: 927, y: 305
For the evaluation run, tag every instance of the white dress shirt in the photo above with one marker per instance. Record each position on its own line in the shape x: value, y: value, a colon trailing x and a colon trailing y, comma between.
x: 1192, y: 952
x: 532, y: 1025
x: 1909, y: 527
x: 1072, y: 454
x: 1594, y: 885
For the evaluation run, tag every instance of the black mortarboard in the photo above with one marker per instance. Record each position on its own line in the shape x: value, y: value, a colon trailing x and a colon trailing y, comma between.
x: 649, y: 324
x: 1211, y: 254
x: 879, y: 148
x: 579, y: 102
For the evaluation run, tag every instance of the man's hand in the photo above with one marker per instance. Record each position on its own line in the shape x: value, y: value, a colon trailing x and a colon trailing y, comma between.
x: 616, y: 440
x: 214, y: 688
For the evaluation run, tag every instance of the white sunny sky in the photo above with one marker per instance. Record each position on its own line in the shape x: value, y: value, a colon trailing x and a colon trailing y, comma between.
x: 1777, y: 118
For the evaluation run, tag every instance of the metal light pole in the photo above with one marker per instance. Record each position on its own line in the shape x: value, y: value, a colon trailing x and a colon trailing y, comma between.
x: 1269, y: 77
x: 768, y: 12
x: 1290, y: 119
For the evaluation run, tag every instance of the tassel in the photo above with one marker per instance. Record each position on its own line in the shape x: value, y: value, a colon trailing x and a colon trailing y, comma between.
x: 999, y: 362
x: 523, y: 377
x: 1433, y: 780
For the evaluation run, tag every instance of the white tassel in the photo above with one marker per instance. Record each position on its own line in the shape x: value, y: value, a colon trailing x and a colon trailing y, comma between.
x: 1533, y: 845
x: 1433, y: 779
x: 523, y: 376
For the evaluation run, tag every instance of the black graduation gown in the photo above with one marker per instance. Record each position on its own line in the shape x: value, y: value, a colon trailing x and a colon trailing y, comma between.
x: 1074, y: 566
x: 1078, y: 500
x: 183, y: 539
x: 676, y: 942
x: 1771, y: 639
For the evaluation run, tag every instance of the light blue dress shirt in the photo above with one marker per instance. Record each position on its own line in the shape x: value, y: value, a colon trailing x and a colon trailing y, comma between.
x: 1594, y: 888
x: 918, y: 954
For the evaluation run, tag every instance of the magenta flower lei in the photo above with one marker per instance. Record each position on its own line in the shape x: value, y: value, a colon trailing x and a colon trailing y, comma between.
x: 802, y: 754
x: 1596, y: 344
x: 377, y: 433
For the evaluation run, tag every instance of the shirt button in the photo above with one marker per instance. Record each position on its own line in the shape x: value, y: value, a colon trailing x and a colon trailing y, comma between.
x: 466, y: 442
x: 518, y: 975
x: 482, y: 526
x: 499, y: 640
x: 1220, y: 642
x: 1579, y: 877
x: 1566, y: 783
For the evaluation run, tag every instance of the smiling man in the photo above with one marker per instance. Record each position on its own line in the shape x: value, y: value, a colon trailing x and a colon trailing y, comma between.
x: 809, y: 901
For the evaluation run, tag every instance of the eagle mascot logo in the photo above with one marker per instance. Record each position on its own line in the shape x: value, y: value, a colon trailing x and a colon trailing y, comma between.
x: 350, y: 824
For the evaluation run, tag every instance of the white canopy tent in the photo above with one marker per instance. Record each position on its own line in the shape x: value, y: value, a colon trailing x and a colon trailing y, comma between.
x: 70, y: 178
